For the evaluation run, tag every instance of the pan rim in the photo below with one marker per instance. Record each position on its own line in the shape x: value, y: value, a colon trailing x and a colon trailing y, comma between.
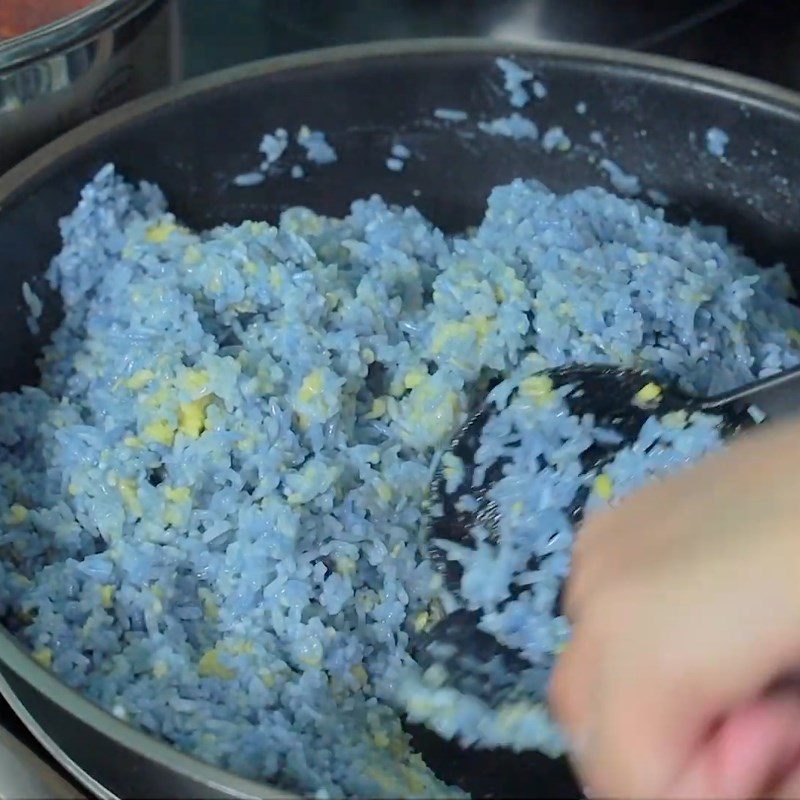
x: 697, y: 77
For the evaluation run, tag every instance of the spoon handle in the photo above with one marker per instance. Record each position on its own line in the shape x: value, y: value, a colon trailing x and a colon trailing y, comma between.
x: 776, y: 395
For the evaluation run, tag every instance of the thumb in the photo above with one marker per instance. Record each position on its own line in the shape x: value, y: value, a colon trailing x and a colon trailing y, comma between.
x: 753, y: 752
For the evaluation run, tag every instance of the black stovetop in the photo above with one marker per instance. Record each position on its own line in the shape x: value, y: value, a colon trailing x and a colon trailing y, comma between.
x: 756, y: 37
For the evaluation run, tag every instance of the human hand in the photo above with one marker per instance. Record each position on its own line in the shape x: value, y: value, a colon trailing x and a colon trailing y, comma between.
x: 680, y: 680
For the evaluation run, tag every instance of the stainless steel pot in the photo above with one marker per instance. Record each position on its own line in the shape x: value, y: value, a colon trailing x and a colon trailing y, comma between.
x: 23, y: 774
x: 61, y: 74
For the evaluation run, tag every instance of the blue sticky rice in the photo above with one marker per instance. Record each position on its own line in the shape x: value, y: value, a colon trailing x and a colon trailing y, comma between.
x: 450, y: 114
x: 716, y: 141
x: 317, y: 148
x: 212, y: 505
x: 555, y: 139
x: 622, y: 181
x: 35, y: 308
x: 273, y: 146
x: 515, y: 80
x: 514, y: 126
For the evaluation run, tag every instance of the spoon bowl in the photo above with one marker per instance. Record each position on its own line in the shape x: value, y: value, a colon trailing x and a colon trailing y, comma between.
x: 459, y: 650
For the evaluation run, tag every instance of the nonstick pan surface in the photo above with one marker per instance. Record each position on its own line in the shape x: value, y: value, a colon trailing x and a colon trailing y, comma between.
x: 652, y: 113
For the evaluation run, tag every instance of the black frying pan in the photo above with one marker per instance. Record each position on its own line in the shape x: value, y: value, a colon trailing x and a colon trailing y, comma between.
x: 652, y: 112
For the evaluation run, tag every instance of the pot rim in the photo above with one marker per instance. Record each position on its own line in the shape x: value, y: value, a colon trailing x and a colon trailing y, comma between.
x: 66, y: 31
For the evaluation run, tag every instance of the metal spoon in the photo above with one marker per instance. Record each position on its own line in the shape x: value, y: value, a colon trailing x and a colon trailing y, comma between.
x: 614, y: 397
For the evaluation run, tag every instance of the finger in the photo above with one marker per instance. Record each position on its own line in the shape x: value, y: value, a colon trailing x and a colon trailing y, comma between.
x: 646, y: 709
x: 615, y: 542
x: 638, y: 733
x: 659, y: 681
x: 617, y: 547
x: 588, y: 564
x: 791, y: 788
x: 572, y: 686
x: 754, y: 752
